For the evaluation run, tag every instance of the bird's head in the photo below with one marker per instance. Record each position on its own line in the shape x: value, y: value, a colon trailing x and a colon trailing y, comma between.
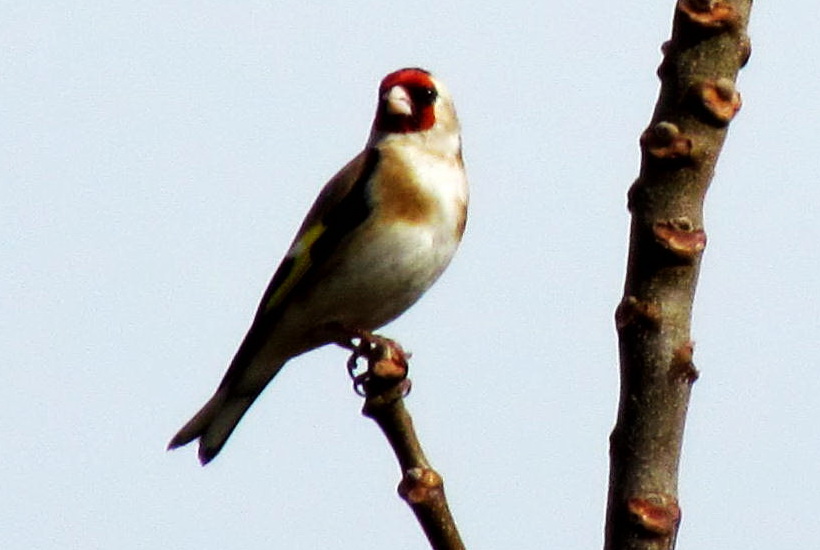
x: 412, y: 100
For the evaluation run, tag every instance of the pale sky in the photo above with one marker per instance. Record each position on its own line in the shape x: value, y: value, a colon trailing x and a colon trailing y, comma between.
x: 156, y: 159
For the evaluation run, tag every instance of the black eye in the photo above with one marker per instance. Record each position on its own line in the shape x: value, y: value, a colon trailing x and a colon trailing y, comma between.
x: 423, y: 95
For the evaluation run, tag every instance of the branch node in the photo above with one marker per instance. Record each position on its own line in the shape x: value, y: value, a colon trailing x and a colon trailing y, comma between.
x: 682, y: 367
x: 719, y: 100
x: 679, y: 237
x: 657, y: 515
x: 664, y: 140
x: 421, y: 485
x: 631, y: 311
x: 710, y: 14
x: 744, y: 49
x: 666, y: 68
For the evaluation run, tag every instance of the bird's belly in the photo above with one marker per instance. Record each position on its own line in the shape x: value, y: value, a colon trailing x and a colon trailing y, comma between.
x: 387, y: 273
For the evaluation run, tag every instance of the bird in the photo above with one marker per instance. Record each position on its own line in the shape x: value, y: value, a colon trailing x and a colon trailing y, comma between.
x: 380, y: 233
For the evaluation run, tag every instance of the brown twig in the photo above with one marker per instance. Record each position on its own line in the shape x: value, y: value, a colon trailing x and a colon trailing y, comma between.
x: 384, y: 384
x: 679, y: 151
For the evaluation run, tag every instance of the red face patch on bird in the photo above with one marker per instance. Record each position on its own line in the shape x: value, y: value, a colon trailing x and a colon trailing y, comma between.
x: 407, y: 101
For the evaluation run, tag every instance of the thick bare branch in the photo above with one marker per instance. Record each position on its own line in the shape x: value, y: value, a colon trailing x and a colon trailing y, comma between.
x: 679, y: 151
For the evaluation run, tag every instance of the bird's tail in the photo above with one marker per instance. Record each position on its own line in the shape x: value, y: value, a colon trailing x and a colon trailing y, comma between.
x: 216, y: 421
x: 213, y: 424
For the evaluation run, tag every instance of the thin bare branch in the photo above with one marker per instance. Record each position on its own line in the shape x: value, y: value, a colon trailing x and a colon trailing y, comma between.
x: 679, y: 152
x: 384, y: 384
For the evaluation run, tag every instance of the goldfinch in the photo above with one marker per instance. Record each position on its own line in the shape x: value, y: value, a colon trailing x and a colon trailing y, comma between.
x: 380, y: 233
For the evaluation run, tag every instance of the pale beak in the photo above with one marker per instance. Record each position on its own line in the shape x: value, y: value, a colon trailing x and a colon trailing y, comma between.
x: 398, y: 101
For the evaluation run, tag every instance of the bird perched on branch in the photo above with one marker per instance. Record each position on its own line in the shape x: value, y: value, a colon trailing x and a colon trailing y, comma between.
x: 380, y: 233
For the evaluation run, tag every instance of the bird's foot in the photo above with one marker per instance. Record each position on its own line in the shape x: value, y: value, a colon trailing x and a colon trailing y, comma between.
x: 386, y: 362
